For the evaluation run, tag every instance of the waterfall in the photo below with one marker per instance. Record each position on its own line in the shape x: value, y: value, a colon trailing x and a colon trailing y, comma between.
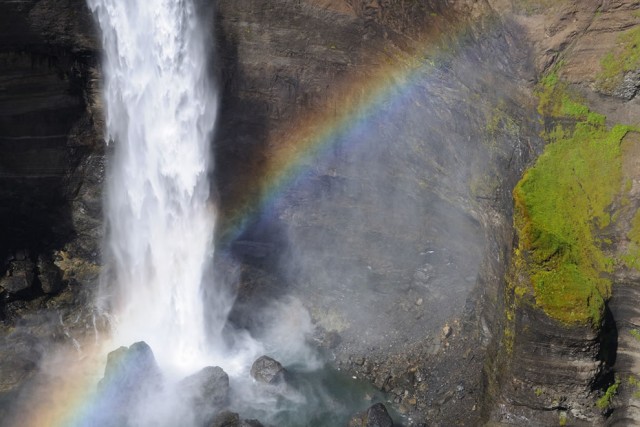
x: 160, y: 112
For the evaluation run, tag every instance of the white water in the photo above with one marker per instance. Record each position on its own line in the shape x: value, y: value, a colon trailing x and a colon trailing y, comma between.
x: 160, y: 112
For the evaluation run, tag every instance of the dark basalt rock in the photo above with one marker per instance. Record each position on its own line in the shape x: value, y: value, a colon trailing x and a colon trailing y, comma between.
x: 232, y: 419
x: 208, y: 388
x: 375, y: 416
x: 225, y: 419
x: 268, y: 371
x: 130, y: 369
x: 130, y: 375
x: 49, y: 275
x: 20, y: 277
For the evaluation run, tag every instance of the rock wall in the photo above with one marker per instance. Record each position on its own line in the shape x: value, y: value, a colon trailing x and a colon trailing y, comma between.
x: 398, y: 239
x: 546, y: 371
x: 397, y: 246
x: 51, y: 168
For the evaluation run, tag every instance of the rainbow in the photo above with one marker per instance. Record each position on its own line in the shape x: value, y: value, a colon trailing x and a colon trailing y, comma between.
x: 70, y: 399
x: 351, y: 110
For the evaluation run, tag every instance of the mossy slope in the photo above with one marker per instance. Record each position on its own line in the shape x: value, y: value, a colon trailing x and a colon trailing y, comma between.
x: 561, y: 204
x: 614, y: 65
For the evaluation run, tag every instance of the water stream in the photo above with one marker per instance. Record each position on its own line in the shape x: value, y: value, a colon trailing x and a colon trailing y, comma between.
x: 160, y: 107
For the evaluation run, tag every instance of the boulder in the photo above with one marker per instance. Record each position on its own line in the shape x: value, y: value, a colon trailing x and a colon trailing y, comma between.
x: 19, y: 278
x: 375, y: 416
x: 251, y: 423
x: 225, y: 419
x: 130, y: 369
x: 130, y: 375
x: 231, y: 419
x: 207, y: 388
x: 268, y: 370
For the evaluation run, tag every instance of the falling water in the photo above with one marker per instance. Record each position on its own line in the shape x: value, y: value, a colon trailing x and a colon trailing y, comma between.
x: 160, y: 113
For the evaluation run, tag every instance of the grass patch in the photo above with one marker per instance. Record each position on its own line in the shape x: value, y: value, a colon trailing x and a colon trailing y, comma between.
x: 614, y: 65
x: 607, y: 398
x: 632, y: 258
x: 561, y: 203
x: 563, y: 419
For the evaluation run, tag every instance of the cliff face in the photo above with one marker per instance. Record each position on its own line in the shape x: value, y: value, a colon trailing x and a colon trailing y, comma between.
x: 395, y: 228
x: 552, y: 366
x: 395, y: 237
x: 50, y: 181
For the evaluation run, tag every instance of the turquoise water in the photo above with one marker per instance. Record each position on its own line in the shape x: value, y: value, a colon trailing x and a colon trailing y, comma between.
x: 322, y: 398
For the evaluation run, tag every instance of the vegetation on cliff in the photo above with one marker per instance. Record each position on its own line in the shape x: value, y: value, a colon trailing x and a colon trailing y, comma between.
x: 563, y: 201
x: 632, y: 257
x: 615, y: 65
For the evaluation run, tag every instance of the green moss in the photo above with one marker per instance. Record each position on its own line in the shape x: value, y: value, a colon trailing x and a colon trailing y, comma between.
x: 634, y: 233
x: 635, y: 333
x: 626, y: 58
x: 561, y: 204
x: 558, y: 101
x: 562, y: 419
x: 500, y: 123
x: 634, y: 382
x: 605, y: 401
x: 632, y: 258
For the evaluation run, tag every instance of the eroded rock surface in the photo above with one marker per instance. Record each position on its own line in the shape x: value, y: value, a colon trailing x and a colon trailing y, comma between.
x: 208, y: 388
x: 268, y: 371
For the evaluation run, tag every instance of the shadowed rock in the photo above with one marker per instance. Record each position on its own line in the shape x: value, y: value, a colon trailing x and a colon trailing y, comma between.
x: 268, y: 370
x: 20, y: 277
x: 50, y: 275
x: 231, y: 419
x: 130, y: 375
x: 375, y: 416
x: 129, y: 369
x: 207, y: 388
x: 225, y: 419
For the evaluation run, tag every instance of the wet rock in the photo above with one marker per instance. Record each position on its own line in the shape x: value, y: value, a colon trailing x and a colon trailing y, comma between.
x: 130, y: 375
x: 130, y: 369
x: 20, y: 277
x: 232, y: 419
x: 331, y: 340
x: 268, y: 370
x: 207, y: 388
x: 225, y: 419
x: 49, y: 275
x: 629, y: 86
x: 20, y: 355
x: 375, y: 416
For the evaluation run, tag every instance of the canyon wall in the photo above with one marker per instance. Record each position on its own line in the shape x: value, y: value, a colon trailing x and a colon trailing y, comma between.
x: 396, y: 234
